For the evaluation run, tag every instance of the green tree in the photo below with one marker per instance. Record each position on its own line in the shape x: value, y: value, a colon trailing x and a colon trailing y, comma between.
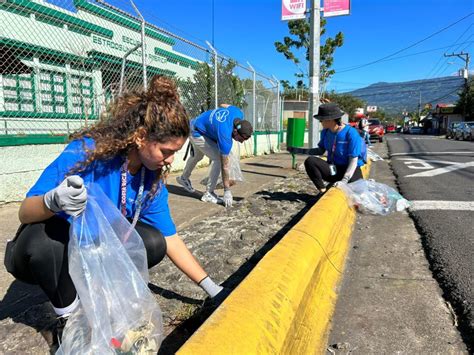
x: 346, y: 102
x: 299, y: 40
x: 465, y: 102
x: 197, y: 93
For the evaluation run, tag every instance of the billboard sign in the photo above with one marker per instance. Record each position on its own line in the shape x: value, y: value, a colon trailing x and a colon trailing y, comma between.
x: 336, y: 7
x: 371, y: 108
x: 293, y: 9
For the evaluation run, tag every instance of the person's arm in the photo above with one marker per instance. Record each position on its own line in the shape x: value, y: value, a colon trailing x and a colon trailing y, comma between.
x: 70, y: 197
x: 33, y: 210
x: 180, y: 255
x: 350, y: 169
x: 225, y: 170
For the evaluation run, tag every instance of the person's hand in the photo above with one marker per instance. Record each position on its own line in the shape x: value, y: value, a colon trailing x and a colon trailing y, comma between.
x: 227, y: 198
x: 340, y: 183
x: 70, y: 196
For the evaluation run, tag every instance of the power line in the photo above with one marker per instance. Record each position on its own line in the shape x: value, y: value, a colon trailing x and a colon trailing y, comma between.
x: 404, y: 49
x: 434, y: 70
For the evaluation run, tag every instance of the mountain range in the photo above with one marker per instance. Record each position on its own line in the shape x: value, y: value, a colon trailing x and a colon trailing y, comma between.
x: 395, y: 98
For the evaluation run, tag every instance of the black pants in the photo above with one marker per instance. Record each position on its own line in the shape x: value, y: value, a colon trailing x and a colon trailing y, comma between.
x: 318, y: 170
x: 38, y: 255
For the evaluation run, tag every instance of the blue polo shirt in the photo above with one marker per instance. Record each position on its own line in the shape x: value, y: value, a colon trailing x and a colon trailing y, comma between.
x: 349, y: 144
x: 218, y: 125
x: 107, y: 174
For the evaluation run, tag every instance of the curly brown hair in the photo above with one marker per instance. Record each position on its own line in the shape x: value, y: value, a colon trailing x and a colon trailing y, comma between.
x: 157, y: 110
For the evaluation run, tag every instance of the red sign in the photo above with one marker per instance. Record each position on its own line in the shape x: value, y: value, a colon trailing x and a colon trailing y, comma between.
x: 336, y: 7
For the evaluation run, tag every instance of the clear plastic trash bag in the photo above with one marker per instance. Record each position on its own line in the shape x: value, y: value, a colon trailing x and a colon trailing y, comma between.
x: 372, y: 197
x: 373, y: 156
x: 235, y: 174
x: 108, y: 265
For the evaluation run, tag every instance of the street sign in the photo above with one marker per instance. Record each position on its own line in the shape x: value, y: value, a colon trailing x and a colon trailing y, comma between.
x: 293, y: 9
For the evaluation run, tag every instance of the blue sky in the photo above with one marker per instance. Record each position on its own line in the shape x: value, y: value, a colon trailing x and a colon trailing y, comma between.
x: 247, y: 29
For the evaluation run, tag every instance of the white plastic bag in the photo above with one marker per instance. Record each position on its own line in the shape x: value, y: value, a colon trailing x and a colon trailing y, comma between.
x: 372, y: 197
x: 235, y: 174
x: 373, y: 156
x: 108, y: 265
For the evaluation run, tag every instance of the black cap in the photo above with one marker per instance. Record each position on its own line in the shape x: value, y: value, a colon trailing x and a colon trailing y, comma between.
x: 244, y: 128
x: 329, y: 111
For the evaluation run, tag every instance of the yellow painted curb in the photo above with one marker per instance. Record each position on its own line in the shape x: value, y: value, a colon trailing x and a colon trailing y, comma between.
x: 285, y: 304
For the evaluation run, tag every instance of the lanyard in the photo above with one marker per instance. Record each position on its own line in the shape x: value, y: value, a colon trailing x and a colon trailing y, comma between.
x: 123, y: 192
x: 333, y: 150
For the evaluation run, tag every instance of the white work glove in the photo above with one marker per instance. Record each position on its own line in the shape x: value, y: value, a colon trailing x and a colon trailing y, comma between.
x: 227, y: 198
x: 340, y: 183
x: 211, y: 288
x: 70, y: 196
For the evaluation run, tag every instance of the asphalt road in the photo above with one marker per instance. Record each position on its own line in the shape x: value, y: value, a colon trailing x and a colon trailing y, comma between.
x: 437, y: 175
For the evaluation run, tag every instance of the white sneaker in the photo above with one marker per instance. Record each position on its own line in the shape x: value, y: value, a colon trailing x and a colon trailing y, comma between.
x: 186, y: 183
x: 211, y: 197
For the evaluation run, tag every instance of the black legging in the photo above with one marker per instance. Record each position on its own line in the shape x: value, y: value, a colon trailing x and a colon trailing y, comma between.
x: 318, y: 170
x: 38, y: 255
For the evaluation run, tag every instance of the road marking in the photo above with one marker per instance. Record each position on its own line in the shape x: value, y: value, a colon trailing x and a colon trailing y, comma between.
x: 442, y: 205
x: 439, y: 171
x: 430, y: 153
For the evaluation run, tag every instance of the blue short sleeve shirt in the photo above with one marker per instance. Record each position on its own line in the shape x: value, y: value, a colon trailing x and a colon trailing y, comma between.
x: 343, y: 145
x: 218, y: 125
x: 107, y: 174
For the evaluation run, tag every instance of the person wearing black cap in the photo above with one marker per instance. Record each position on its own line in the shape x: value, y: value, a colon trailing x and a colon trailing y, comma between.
x: 212, y: 135
x: 346, y: 152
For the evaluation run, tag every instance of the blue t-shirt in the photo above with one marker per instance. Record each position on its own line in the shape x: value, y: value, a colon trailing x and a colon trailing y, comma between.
x: 107, y: 174
x: 349, y: 144
x: 218, y: 125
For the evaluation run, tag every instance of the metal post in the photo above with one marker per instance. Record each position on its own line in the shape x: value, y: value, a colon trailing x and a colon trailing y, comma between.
x: 215, y: 73
x: 124, y: 60
x: 278, y: 98
x: 314, y: 74
x: 254, y: 109
x: 145, y: 82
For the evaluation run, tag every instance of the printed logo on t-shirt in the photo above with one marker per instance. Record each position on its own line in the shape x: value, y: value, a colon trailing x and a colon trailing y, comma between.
x: 221, y: 116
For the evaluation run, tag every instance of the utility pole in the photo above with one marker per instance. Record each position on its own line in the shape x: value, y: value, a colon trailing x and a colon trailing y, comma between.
x: 466, y: 58
x: 419, y: 109
x: 314, y: 58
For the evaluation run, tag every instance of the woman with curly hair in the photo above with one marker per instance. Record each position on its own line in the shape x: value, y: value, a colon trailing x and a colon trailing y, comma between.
x: 127, y: 154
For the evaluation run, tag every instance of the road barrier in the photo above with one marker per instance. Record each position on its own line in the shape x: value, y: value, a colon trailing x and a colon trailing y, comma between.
x: 285, y: 304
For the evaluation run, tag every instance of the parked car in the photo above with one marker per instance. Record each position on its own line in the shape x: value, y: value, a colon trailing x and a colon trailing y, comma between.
x: 376, y: 130
x: 458, y: 130
x: 451, y: 128
x: 391, y: 128
x: 467, y: 131
x: 414, y: 130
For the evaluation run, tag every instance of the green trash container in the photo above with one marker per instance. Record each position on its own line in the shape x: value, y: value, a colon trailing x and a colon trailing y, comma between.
x: 295, y: 132
x: 295, y: 135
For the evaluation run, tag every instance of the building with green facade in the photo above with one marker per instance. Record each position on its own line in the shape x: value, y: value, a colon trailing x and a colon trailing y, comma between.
x: 59, y: 68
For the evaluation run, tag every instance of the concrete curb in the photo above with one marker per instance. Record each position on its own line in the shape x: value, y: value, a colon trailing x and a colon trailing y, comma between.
x: 285, y: 304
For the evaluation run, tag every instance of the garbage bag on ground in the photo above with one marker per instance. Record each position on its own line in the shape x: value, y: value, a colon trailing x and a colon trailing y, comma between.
x: 373, y: 156
x: 372, y: 197
x: 108, y: 265
x: 235, y: 174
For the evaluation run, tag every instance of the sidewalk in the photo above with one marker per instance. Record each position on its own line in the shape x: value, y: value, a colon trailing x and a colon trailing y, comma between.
x: 24, y: 310
x: 389, y: 302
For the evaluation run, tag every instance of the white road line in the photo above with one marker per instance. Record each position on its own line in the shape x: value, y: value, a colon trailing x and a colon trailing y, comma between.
x: 422, y: 205
x: 430, y: 153
x: 444, y: 170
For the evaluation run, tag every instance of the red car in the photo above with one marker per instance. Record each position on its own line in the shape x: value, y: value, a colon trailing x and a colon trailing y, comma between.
x: 391, y: 128
x: 376, y: 129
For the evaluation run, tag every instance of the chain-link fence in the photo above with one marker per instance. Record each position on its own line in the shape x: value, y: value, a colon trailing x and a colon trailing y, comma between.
x: 62, y: 64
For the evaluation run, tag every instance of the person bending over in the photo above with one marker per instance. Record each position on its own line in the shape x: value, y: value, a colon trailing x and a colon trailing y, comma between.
x: 212, y: 134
